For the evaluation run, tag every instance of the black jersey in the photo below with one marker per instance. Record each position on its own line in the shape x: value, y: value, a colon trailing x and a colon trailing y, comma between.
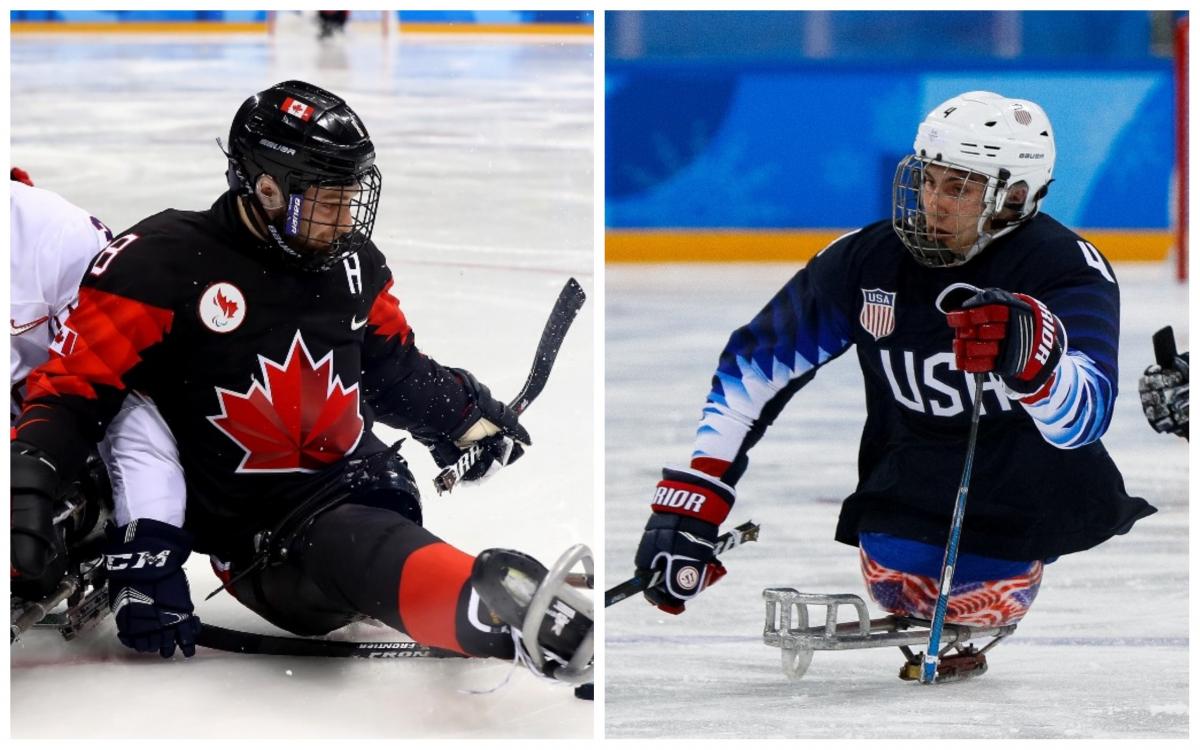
x: 1043, y: 485
x: 269, y: 377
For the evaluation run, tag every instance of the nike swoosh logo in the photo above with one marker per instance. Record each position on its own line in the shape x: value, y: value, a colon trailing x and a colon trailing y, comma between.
x: 355, y: 323
x: 20, y: 328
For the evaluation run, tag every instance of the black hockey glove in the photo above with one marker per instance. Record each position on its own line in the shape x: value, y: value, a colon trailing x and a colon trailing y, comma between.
x: 681, y: 535
x: 1012, y: 335
x: 488, y: 422
x: 39, y: 557
x: 147, y: 588
x: 1164, y: 393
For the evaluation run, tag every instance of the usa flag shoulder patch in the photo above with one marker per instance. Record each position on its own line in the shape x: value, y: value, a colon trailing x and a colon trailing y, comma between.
x: 878, y: 316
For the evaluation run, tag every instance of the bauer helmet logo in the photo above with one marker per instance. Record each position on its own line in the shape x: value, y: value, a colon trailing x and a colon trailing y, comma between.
x: 687, y: 577
x: 278, y: 147
x: 222, y: 307
x: 292, y: 226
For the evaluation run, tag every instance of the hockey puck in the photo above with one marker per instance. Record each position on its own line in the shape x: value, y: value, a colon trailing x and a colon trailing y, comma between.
x: 584, y: 692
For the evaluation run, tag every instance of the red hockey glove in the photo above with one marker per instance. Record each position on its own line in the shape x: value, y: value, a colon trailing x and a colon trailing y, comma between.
x: 16, y: 174
x: 680, y: 537
x: 1012, y: 335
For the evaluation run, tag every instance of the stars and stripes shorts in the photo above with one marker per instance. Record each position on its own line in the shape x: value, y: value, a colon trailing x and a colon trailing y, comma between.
x: 981, y: 603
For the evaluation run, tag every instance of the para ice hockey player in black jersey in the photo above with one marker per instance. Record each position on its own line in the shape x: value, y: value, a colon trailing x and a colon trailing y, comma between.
x: 967, y: 277
x: 265, y: 331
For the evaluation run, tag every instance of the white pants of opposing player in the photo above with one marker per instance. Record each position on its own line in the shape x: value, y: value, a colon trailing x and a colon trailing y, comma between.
x: 142, y: 459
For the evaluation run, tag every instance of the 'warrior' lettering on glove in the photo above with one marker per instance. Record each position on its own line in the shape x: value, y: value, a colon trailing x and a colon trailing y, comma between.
x: 680, y: 537
x: 1012, y: 335
x: 689, y: 493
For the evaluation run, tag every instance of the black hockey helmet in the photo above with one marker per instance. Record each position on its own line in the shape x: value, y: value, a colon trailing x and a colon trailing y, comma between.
x: 305, y: 137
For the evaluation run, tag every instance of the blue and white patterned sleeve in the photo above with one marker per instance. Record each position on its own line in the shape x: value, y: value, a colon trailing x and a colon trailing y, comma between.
x: 766, y: 361
x: 1079, y: 405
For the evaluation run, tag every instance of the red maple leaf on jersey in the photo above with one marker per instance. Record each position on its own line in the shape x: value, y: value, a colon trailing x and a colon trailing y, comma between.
x: 300, y: 418
x: 228, y: 306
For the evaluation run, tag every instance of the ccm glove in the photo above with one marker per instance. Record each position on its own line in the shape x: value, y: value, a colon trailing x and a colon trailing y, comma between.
x: 1012, y: 335
x: 491, y: 424
x: 38, y: 555
x: 147, y: 588
x: 1164, y: 393
x: 681, y: 535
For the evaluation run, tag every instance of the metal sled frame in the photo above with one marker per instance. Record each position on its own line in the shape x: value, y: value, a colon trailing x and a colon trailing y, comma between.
x: 86, y: 604
x: 787, y: 628
x: 579, y: 668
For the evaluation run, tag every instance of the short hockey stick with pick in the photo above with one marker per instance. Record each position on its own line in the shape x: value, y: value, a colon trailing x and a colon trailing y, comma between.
x: 747, y: 532
x: 566, y: 307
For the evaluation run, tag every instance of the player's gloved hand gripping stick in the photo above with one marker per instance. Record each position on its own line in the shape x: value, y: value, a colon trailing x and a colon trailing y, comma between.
x: 566, y: 307
x: 1018, y: 338
x: 1164, y: 387
x: 645, y: 579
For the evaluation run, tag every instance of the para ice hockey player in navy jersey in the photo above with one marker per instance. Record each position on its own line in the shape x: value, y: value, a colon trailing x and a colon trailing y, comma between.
x: 265, y: 331
x: 967, y: 277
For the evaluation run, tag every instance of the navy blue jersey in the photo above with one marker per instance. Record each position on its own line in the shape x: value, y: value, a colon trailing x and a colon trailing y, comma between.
x: 1043, y: 484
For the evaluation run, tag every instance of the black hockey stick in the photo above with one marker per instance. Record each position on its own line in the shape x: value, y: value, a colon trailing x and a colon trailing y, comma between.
x: 1164, y: 347
x: 236, y: 641
x: 566, y: 307
x: 241, y: 642
x: 747, y: 532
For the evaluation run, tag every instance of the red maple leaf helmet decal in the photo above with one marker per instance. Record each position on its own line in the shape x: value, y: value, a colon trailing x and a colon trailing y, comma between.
x: 299, y: 419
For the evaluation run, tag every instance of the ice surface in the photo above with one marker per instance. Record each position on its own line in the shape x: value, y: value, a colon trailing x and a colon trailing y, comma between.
x: 486, y: 152
x: 1102, y: 653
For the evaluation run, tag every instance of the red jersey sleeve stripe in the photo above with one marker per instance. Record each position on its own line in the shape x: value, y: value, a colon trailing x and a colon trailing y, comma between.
x: 101, y: 340
x: 386, y: 317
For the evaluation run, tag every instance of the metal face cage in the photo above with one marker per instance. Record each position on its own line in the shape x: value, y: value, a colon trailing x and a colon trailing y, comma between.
x: 329, y: 220
x: 961, y: 207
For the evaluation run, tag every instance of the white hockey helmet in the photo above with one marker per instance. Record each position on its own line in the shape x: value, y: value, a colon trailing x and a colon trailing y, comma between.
x: 1007, y: 142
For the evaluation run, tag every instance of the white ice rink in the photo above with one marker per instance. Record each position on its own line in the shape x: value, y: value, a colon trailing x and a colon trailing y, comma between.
x: 1102, y: 653
x: 486, y: 152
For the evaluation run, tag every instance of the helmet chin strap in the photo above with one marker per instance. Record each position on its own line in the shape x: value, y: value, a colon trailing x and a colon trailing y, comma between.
x: 261, y: 224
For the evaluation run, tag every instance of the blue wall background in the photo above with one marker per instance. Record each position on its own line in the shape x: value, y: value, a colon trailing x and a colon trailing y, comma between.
x: 244, y: 16
x: 114, y: 16
x: 724, y: 134
x: 496, y: 16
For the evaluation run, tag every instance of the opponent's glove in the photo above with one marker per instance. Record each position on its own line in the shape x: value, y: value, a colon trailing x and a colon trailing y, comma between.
x: 39, y: 557
x: 147, y: 588
x: 488, y: 422
x: 1012, y: 335
x: 16, y: 174
x: 680, y: 537
x: 1164, y: 393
